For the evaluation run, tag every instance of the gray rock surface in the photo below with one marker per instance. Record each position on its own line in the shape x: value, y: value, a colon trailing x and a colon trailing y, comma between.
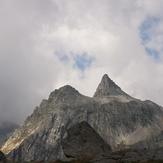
x: 119, y: 119
x: 82, y: 140
x: 141, y: 155
x: 108, y: 90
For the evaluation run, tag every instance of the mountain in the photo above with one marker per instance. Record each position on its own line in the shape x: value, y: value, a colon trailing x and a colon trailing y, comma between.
x: 6, y: 128
x: 121, y: 120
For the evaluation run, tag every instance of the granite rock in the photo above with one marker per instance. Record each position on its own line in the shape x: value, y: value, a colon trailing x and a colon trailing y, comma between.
x: 82, y: 140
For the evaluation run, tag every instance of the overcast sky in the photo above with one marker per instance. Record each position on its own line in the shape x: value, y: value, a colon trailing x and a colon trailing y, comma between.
x: 45, y: 44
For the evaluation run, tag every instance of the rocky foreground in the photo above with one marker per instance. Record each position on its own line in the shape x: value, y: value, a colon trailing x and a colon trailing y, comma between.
x: 123, y: 156
x: 84, y: 145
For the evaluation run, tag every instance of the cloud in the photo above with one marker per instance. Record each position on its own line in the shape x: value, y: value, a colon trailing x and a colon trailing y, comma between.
x: 83, y: 61
x: 46, y: 44
x: 151, y: 35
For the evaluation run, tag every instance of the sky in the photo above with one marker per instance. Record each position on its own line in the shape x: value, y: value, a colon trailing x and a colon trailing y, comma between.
x: 46, y: 44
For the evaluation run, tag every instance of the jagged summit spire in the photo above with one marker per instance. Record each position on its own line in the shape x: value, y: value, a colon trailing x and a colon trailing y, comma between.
x: 107, y: 87
x: 106, y: 82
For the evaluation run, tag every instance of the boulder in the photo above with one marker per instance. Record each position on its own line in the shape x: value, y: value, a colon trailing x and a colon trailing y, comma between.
x: 82, y: 140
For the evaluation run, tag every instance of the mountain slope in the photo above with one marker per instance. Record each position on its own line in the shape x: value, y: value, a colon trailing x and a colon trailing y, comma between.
x: 6, y: 128
x: 120, y: 120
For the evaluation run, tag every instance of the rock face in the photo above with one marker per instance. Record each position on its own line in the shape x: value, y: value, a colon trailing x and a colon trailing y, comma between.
x: 82, y: 140
x: 141, y: 155
x: 119, y: 119
x: 2, y: 157
x: 108, y: 87
x: 6, y: 128
x: 108, y: 90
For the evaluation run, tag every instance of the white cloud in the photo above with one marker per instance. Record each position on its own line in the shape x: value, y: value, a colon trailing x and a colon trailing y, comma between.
x: 40, y: 41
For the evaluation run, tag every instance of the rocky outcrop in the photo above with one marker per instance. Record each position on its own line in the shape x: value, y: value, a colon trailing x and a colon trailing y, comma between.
x: 123, y: 156
x: 119, y: 119
x: 2, y: 157
x: 137, y: 155
x: 82, y: 141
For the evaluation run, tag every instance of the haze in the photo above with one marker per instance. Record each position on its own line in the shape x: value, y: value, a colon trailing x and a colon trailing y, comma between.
x: 45, y: 44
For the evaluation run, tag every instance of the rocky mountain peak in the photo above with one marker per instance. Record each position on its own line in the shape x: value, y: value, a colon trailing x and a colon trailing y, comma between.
x: 64, y: 94
x: 107, y: 83
x: 107, y: 88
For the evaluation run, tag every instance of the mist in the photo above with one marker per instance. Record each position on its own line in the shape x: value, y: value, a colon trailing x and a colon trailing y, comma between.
x: 48, y: 44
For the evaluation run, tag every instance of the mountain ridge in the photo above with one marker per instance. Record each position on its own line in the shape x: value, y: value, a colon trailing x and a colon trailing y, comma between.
x: 120, y: 119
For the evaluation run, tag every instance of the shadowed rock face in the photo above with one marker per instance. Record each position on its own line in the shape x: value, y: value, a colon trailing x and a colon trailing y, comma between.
x: 119, y: 119
x: 2, y: 157
x: 129, y: 156
x: 82, y: 140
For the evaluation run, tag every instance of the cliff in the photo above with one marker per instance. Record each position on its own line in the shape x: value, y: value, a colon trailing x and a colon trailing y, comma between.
x: 121, y: 120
